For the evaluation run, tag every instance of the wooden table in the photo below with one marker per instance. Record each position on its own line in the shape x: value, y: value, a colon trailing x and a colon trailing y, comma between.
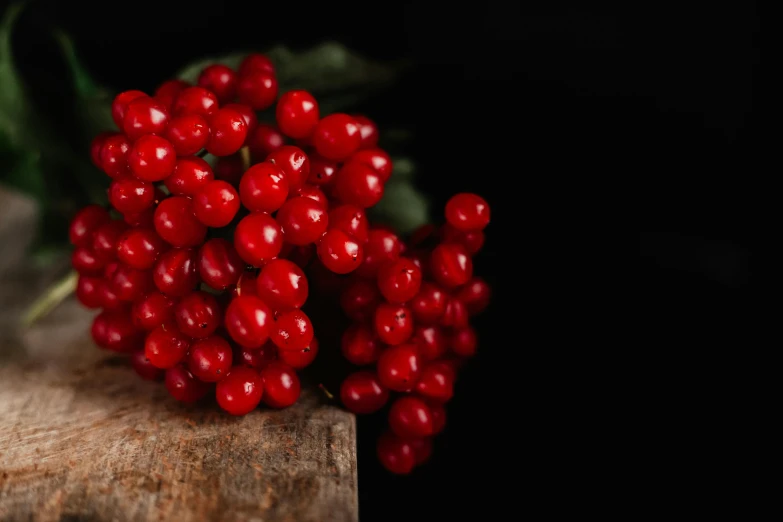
x: 83, y: 438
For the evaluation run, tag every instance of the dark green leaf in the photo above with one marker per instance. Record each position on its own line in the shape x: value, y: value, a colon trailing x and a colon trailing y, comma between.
x: 14, y: 105
x: 403, y: 206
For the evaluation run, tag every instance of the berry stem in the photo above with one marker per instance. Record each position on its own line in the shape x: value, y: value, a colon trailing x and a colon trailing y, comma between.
x: 50, y: 299
x: 326, y: 392
x: 245, y: 152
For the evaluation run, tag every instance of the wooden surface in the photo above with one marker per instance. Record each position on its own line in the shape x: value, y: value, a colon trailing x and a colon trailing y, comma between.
x: 83, y: 438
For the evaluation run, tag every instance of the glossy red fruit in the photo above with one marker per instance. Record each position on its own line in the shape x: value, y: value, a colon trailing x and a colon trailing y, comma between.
x: 337, y: 136
x: 429, y: 304
x: 466, y: 211
x: 255, y: 357
x: 431, y: 341
x: 140, y: 248
x: 131, y: 196
x: 303, y: 220
x: 360, y: 345
x: 119, y: 106
x: 399, y: 367
x: 248, y: 321
x: 153, y: 310
x: 145, y: 115
x: 219, y: 265
x: 350, y: 219
x: 188, y: 134
x: 195, y: 100
x: 114, y: 156
x: 377, y: 159
x: 362, y: 393
x: 436, y: 382
x: 230, y: 168
x: 475, y: 294
x: 176, y: 222
x: 216, y: 204
x: 463, y: 342
x: 396, y: 454
x: 322, y: 170
x: 263, y: 140
x: 400, y: 280
x: 168, y: 91
x: 258, y: 238
x: 282, y: 285
x: 129, y: 284
x: 88, y: 291
x: 295, y: 165
x: 183, y: 385
x: 451, y: 265
x: 113, y: 330
x: 292, y: 330
x: 175, y: 272
x: 248, y: 114
x: 256, y: 63
x: 197, y: 314
x: 314, y: 193
x: 96, y: 146
x: 472, y: 240
x: 84, y: 224
x: 144, y: 368
x: 228, y: 132
x: 381, y: 246
x: 456, y: 315
x: 393, y: 323
x: 339, y: 252
x: 359, y: 300
x: 258, y: 90
x: 299, y: 359
x: 240, y: 392
x: 410, y: 417
x: 297, y: 114
x: 221, y: 80
x: 105, y: 238
x: 281, y: 385
x: 263, y: 187
x: 368, y: 131
x: 358, y: 185
x: 166, y: 346
x: 190, y: 175
x: 84, y: 261
x: 210, y: 359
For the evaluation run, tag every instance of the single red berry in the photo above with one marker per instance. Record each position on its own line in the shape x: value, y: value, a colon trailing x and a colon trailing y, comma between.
x: 241, y: 391
x: 210, y: 359
x: 228, y: 132
x: 362, y: 393
x: 368, y: 130
x: 144, y: 368
x: 109, y: 300
x: 376, y: 159
x: 105, y: 238
x: 463, y: 342
x: 255, y: 357
x: 190, y: 175
x: 256, y: 63
x: 303, y: 220
x: 438, y: 413
x: 467, y: 212
x: 314, y: 193
x: 230, y: 168
x: 359, y: 300
x: 145, y: 116
x: 258, y: 238
x: 140, y: 247
x: 197, y: 314
x: 175, y: 272
x: 119, y: 106
x: 282, y: 285
x: 360, y: 345
x: 381, y: 246
x: 431, y: 342
x: 263, y: 140
x: 396, y: 454
x: 85, y: 223
x: 195, y: 100
x: 456, y: 315
x: 337, y: 136
x: 120, y: 335
x: 153, y: 310
x: 129, y: 284
x: 99, y: 330
x: 219, y: 265
x: 221, y: 80
x: 295, y: 165
x: 436, y: 382
x: 246, y: 285
x: 399, y: 281
x: 399, y: 367
x: 393, y: 323
x: 263, y: 188
x: 131, y: 196
x: 248, y: 321
x: 299, y: 359
x: 410, y: 417
x: 292, y: 330
x: 472, y: 240
x: 339, y: 252
x: 88, y: 291
x: 96, y: 146
x: 297, y: 114
x: 248, y: 114
x: 422, y: 449
x: 257, y: 89
x: 475, y: 295
x: 358, y: 185
x: 114, y: 156
x: 176, y: 222
x: 322, y: 170
x: 188, y: 134
x: 429, y: 304
x: 350, y: 219
x: 84, y: 261
x: 168, y: 91
x: 281, y: 385
x: 183, y: 386
x: 166, y: 346
x: 451, y: 265
x: 216, y: 204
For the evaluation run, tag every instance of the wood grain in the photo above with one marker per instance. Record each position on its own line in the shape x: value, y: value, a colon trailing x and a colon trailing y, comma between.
x: 83, y: 438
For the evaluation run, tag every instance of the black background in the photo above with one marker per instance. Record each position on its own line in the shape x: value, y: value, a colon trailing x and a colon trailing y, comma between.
x: 584, y: 130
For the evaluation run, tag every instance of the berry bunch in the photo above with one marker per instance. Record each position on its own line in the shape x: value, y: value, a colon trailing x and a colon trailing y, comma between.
x: 201, y: 272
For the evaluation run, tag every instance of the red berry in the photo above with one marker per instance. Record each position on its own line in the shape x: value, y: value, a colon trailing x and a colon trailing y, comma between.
x: 120, y: 333
x: 396, y: 454
x: 295, y: 165
x: 195, y: 100
x: 281, y: 385
x: 297, y: 114
x: 221, y: 80
x: 114, y: 156
x: 140, y: 248
x: 248, y: 321
x: 258, y: 90
x: 84, y: 261
x: 263, y: 188
x: 322, y: 170
x: 168, y: 91
x: 475, y: 295
x: 337, y: 136
x: 175, y: 272
x: 410, y: 417
x: 230, y: 168
x: 456, y: 315
x: 197, y: 315
x: 467, y: 212
x: 362, y: 393
x: 463, y: 342
x: 358, y: 185
x: 256, y: 357
x: 183, y: 386
x: 129, y: 284
x: 216, y: 204
x: 88, y: 291
x: 188, y: 134
x: 256, y: 63
x: 248, y: 114
x: 303, y: 220
x: 166, y: 346
x: 431, y: 342
x: 381, y: 246
x: 350, y: 219
x: 314, y: 193
x: 472, y: 240
x: 339, y: 252
x: 145, y: 115
x: 105, y: 238
x: 228, y: 132
x: 292, y: 331
x: 241, y: 391
x: 282, y: 285
x: 85, y: 223
x: 399, y: 281
x: 131, y: 196
x: 429, y: 304
x: 436, y: 382
x: 144, y: 368
x: 399, y: 367
x: 190, y: 175
x: 219, y: 265
x: 153, y: 310
x: 393, y: 323
x: 451, y: 265
x: 109, y: 300
x: 360, y: 345
x: 96, y: 146
x: 258, y: 238
x: 377, y: 159
x: 264, y: 140
x: 422, y: 449
x: 359, y: 300
x: 299, y: 359
x: 210, y: 359
x: 176, y: 222
x: 119, y: 106
x: 368, y: 130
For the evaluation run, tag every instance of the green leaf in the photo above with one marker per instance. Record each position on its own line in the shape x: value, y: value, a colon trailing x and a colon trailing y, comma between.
x: 14, y: 105
x: 403, y: 206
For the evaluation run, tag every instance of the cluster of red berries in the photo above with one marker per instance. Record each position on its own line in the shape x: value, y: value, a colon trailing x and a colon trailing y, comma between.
x: 199, y: 271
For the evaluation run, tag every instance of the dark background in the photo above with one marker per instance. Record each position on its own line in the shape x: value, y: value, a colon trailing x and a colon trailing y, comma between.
x: 584, y: 130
